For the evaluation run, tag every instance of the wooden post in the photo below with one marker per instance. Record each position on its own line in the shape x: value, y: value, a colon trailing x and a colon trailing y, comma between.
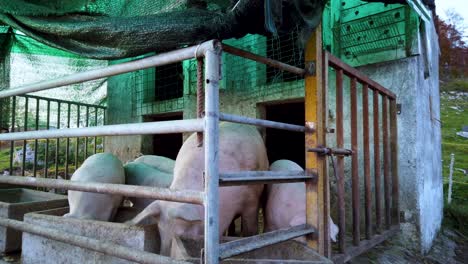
x: 317, y: 196
x: 449, y: 196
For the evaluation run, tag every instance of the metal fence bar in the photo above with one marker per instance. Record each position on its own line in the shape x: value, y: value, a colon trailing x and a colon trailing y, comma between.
x: 86, y: 138
x: 340, y: 161
x: 262, y: 177
x: 95, y: 124
x: 12, y: 144
x: 355, y: 165
x: 367, y: 178
x: 57, y: 143
x: 67, y: 147
x: 394, y: 159
x: 77, y: 139
x: 185, y: 196
x: 36, y: 125
x: 147, y: 128
x: 261, y: 122
x: 26, y: 106
x: 211, y: 141
x: 108, y: 248
x: 61, y: 101
x: 386, y: 163
x: 338, y: 64
x: 377, y: 184
x: 264, y: 60
x: 148, y: 62
x: 248, y: 244
x: 46, y: 158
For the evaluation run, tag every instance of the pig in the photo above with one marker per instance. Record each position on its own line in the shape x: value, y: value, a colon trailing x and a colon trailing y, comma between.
x: 241, y: 148
x: 159, y: 162
x: 142, y: 174
x: 102, y: 168
x: 285, y: 206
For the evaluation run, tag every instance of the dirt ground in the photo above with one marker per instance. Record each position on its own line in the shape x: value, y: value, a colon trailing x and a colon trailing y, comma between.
x: 450, y: 247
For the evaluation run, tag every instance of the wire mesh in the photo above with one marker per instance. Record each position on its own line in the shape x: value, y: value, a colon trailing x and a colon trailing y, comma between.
x: 171, y: 88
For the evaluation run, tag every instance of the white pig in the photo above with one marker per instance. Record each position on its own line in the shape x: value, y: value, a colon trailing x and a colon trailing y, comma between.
x: 159, y: 162
x: 285, y: 205
x: 241, y: 148
x: 142, y: 174
x: 102, y: 168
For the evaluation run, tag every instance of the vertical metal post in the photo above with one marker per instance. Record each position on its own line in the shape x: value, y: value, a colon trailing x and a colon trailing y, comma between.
x: 211, y: 141
x: 57, y: 145
x: 386, y: 161
x: 377, y: 184
x: 367, y: 179
x: 322, y: 124
x: 86, y: 138
x: 36, y: 141
x: 103, y: 123
x: 394, y: 157
x: 316, y: 196
x: 67, y: 148
x: 340, y: 161
x: 355, y: 165
x: 46, y: 158
x: 12, y: 144
x: 25, y: 142
x: 77, y: 139
x: 95, y: 124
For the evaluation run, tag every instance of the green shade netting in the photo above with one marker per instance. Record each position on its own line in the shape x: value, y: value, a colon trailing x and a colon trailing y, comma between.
x: 110, y: 29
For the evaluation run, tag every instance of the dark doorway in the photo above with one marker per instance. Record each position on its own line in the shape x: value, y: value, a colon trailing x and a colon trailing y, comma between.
x: 167, y: 145
x: 283, y: 144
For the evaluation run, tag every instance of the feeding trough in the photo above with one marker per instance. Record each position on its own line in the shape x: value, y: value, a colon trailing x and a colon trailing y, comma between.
x: 15, y: 203
x: 37, y: 249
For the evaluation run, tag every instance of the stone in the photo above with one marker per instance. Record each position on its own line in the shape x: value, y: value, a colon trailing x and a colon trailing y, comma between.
x: 15, y: 203
x: 463, y: 134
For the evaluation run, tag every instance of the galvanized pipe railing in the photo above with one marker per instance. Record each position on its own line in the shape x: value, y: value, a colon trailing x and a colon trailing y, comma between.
x: 105, y: 247
x: 262, y: 123
x: 209, y: 126
x: 148, y: 62
x: 211, y: 145
x: 162, y: 127
x: 185, y: 196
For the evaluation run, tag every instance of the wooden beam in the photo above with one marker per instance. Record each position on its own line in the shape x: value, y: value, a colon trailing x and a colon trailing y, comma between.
x: 317, y: 194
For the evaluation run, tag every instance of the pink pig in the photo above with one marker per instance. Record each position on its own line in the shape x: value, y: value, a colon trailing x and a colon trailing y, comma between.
x: 241, y: 148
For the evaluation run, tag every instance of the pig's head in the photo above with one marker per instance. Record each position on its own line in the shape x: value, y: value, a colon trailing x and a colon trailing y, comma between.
x: 174, y: 220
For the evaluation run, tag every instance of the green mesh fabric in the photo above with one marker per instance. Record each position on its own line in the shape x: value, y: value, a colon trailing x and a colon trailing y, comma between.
x: 110, y: 29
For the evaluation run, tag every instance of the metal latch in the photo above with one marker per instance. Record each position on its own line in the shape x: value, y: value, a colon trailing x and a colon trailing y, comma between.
x: 331, y: 151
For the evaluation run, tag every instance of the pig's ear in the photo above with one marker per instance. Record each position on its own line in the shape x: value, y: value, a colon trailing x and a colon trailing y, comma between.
x: 186, y: 212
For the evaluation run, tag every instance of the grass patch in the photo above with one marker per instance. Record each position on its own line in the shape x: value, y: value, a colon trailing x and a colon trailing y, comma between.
x: 459, y: 85
x: 454, y: 115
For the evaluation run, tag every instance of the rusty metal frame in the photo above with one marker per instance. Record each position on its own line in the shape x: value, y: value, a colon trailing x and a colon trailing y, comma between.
x: 385, y: 136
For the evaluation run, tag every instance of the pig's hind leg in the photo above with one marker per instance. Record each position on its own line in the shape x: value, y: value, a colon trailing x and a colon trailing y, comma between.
x: 250, y: 221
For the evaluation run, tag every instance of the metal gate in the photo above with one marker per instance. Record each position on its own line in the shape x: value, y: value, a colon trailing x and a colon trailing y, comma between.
x: 49, y: 157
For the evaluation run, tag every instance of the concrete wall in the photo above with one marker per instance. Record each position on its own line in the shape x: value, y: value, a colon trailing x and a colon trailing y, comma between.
x: 119, y: 111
